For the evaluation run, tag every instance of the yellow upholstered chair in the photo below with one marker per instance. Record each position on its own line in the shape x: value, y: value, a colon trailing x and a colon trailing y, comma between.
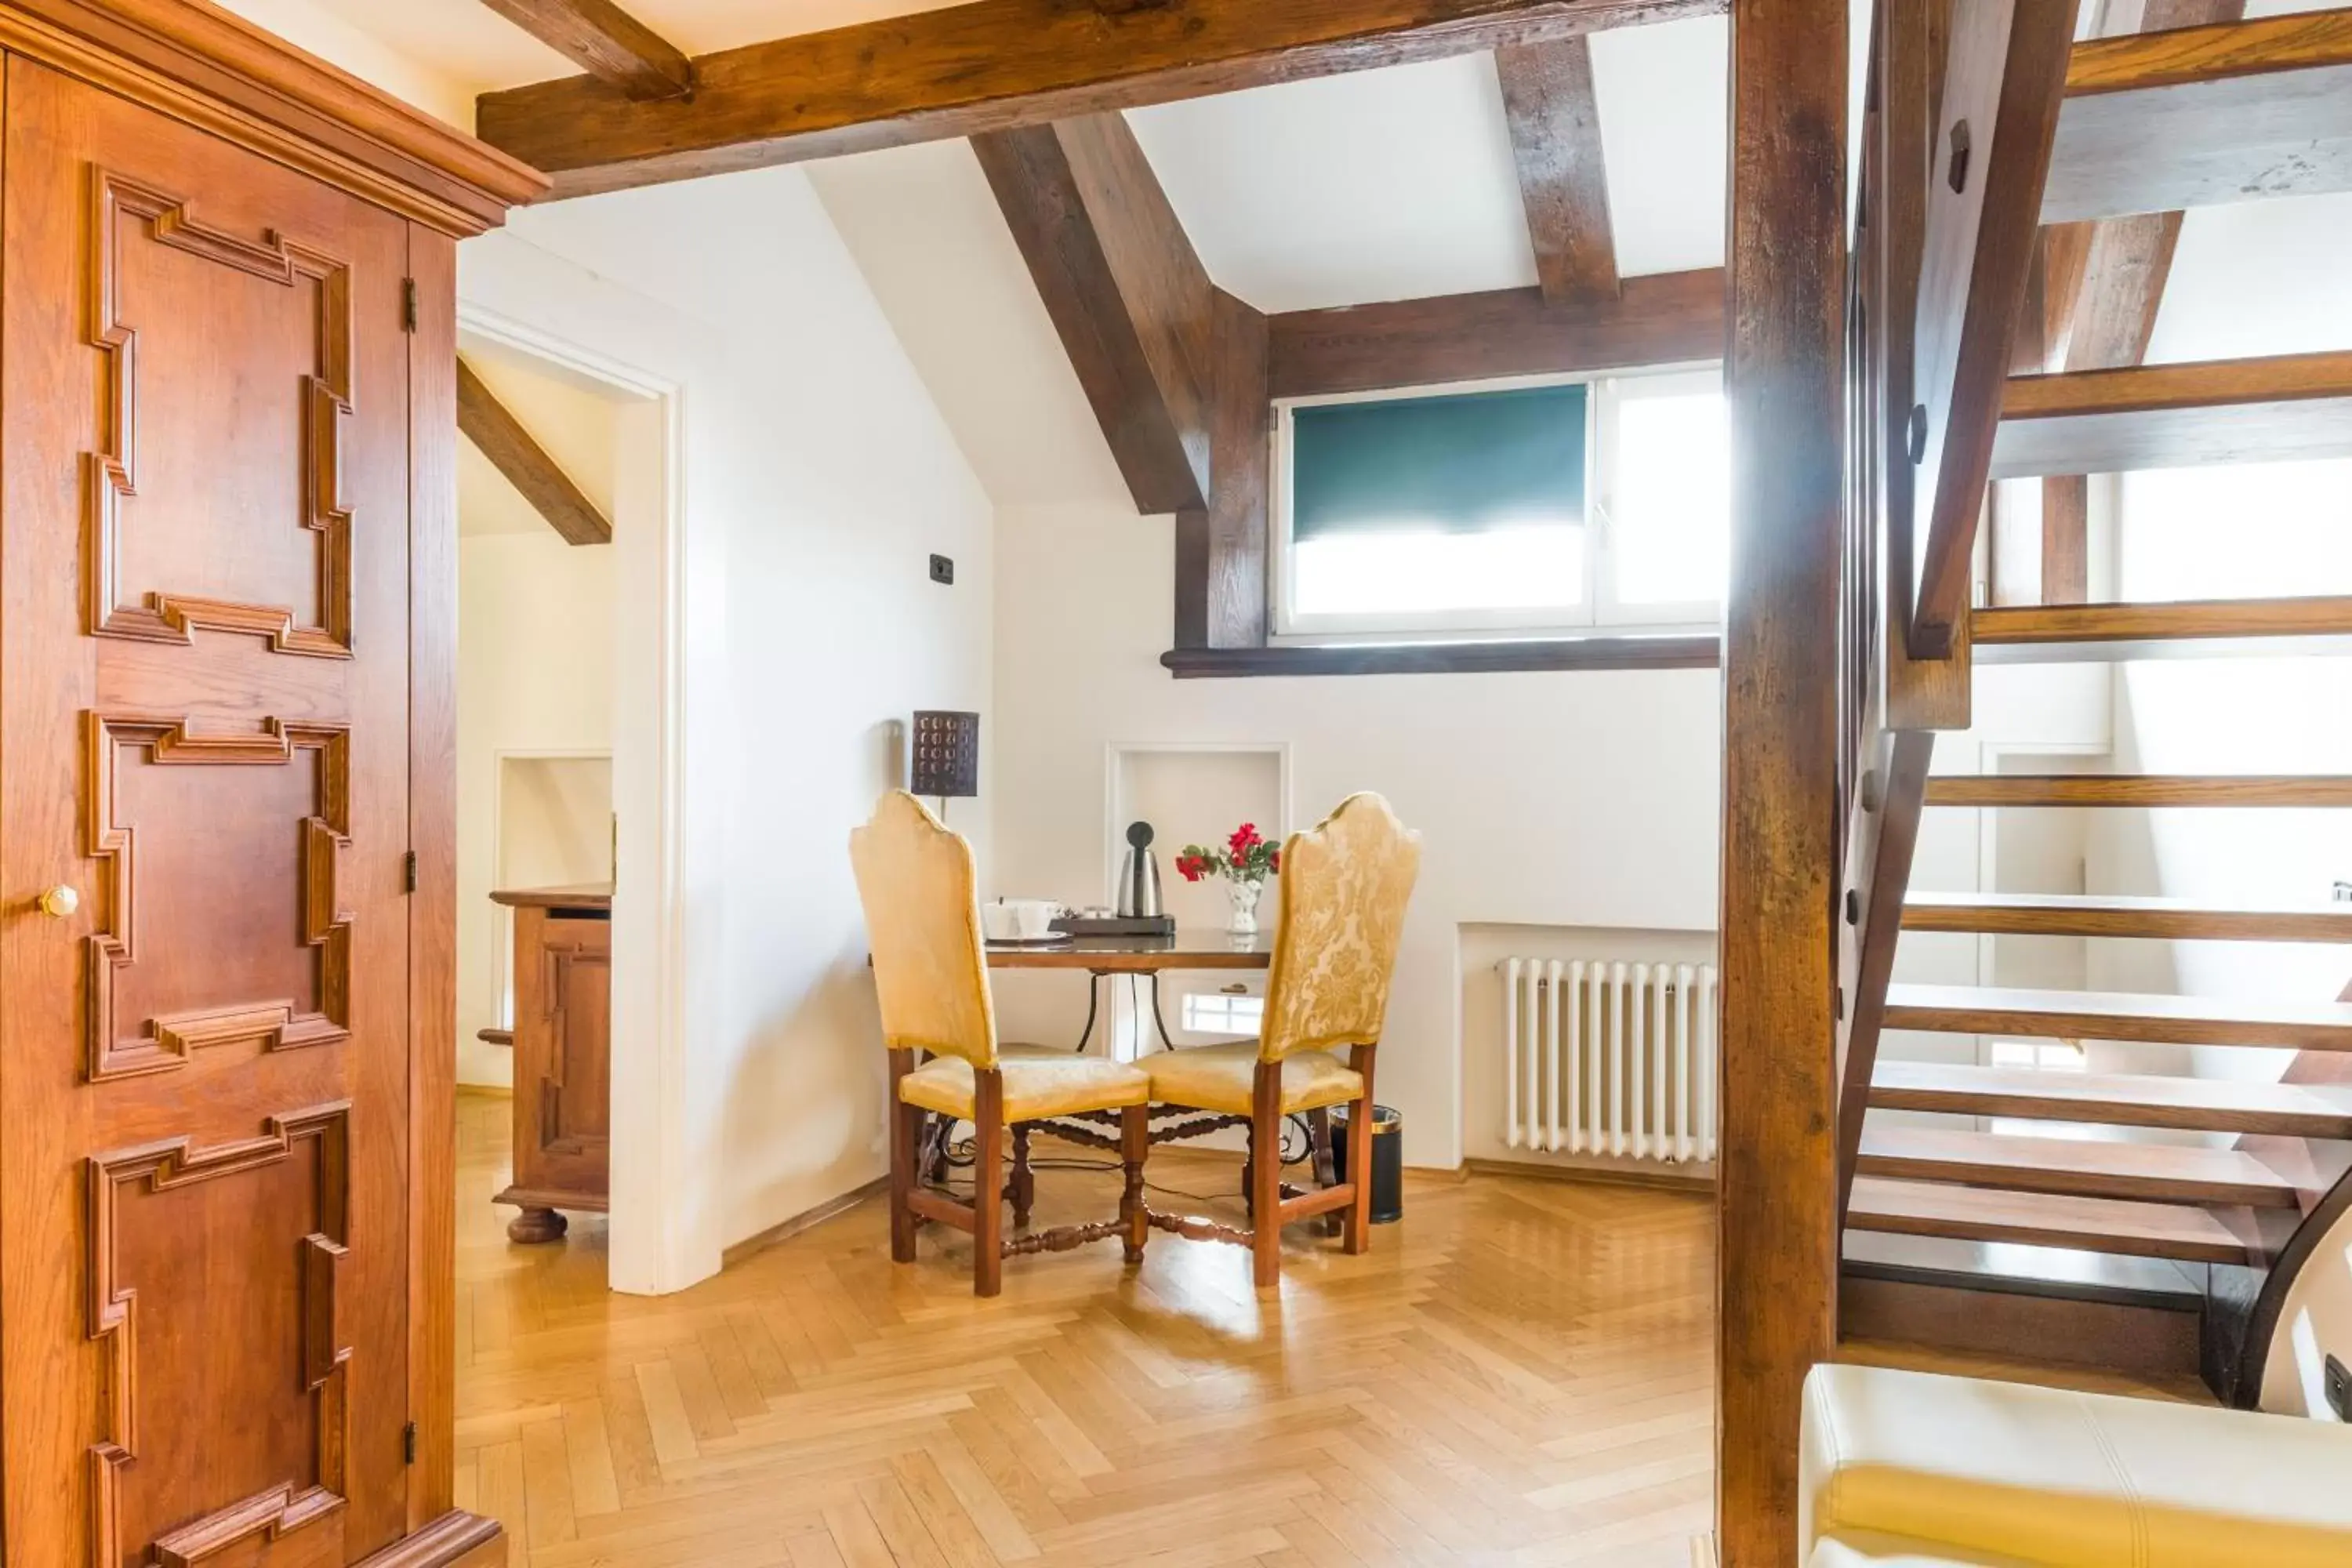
x: 1344, y: 891
x: 917, y: 882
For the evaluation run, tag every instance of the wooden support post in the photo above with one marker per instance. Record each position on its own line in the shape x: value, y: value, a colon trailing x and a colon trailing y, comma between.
x: 1776, y: 1164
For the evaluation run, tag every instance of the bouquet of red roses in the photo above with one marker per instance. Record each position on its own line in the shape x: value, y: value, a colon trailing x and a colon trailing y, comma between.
x: 1246, y: 857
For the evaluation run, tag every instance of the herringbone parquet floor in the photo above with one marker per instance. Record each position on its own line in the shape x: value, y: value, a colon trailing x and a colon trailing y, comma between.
x: 1519, y: 1373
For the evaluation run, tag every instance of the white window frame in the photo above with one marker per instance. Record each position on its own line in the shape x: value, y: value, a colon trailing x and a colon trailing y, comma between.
x: 1611, y: 393
x: 1596, y: 610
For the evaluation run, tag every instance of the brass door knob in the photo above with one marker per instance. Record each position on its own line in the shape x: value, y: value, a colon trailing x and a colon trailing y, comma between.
x: 59, y: 901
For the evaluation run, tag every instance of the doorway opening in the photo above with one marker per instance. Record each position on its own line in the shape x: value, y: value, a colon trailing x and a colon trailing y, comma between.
x: 564, y: 730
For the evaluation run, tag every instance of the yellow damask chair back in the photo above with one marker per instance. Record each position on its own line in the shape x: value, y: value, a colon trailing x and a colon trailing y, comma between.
x: 1345, y: 886
x: 921, y: 894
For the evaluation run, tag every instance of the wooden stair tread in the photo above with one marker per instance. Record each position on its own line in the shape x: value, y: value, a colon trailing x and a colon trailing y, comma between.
x: 2179, y: 1231
x: 2141, y: 789
x: 2084, y: 1167
x: 2121, y: 1015
x: 2121, y: 1099
x: 2101, y: 914
x: 2085, y: 632
x: 2274, y: 409
x: 2198, y: 116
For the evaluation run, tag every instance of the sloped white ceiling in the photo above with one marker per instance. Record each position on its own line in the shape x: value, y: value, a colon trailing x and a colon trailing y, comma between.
x: 1398, y: 184
x: 1381, y: 184
x: 1664, y: 97
x: 925, y: 230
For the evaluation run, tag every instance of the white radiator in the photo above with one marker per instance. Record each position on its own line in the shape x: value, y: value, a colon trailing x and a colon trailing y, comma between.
x: 1603, y: 1057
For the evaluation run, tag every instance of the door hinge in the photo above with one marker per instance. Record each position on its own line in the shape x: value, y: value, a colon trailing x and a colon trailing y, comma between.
x: 408, y: 304
x: 408, y: 872
x: 408, y: 1444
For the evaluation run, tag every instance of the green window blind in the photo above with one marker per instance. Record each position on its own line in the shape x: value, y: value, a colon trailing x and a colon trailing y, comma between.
x: 1457, y: 463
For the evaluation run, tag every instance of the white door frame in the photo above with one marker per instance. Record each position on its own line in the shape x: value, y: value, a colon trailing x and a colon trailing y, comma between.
x: 648, y: 1247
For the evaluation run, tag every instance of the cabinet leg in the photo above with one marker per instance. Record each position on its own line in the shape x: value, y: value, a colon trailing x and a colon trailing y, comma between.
x: 533, y: 1226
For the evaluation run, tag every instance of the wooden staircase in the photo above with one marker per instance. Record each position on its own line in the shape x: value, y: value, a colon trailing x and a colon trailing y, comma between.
x: 2149, y: 123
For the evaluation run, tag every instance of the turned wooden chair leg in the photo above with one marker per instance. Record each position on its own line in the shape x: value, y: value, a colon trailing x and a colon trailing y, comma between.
x: 1266, y: 1177
x: 1359, y: 1228
x: 1134, y: 1145
x: 988, y: 1182
x: 1318, y: 1138
x: 1025, y: 1184
x: 906, y: 1132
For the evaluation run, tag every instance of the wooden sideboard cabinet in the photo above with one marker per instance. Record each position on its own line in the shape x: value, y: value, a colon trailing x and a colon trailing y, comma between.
x: 562, y: 1056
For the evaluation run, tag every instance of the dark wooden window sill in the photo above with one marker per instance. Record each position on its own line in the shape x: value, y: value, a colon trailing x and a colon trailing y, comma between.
x: 1704, y: 651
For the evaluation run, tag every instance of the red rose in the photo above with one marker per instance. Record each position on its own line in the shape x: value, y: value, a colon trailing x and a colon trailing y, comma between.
x: 1246, y: 837
x: 1274, y: 861
x: 1189, y: 866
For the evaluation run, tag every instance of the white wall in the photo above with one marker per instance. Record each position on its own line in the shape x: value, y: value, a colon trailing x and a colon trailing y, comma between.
x: 1559, y: 799
x: 535, y: 621
x: 2258, y: 278
x: 2315, y: 1322
x: 811, y: 477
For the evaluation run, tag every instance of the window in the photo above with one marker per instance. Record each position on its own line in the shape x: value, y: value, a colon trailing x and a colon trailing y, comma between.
x: 2042, y: 1056
x: 1503, y: 508
x: 1223, y: 1012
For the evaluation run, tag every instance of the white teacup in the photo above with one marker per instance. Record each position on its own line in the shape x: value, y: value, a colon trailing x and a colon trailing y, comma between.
x: 1019, y: 920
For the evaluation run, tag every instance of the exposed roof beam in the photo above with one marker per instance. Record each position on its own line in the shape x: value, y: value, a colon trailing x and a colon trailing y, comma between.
x: 1133, y: 305
x: 605, y: 41
x: 501, y: 439
x: 1556, y: 141
x: 994, y: 65
x: 1668, y: 318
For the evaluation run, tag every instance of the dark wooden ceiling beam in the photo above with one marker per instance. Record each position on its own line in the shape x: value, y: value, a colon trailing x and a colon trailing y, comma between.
x: 994, y: 65
x: 1667, y: 318
x: 606, y: 42
x: 1556, y: 144
x: 512, y: 450
x: 1133, y: 305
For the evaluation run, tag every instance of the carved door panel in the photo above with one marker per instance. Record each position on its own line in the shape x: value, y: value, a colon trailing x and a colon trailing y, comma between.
x: 204, y: 709
x: 564, y: 1052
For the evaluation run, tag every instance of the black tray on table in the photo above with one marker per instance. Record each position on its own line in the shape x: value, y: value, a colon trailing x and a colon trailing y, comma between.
x: 1117, y: 925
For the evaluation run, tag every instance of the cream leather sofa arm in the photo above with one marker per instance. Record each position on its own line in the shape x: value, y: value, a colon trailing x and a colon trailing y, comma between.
x: 1964, y: 1470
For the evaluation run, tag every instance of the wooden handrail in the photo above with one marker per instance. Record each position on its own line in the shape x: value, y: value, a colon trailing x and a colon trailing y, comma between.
x: 1962, y: 106
x: 2003, y: 85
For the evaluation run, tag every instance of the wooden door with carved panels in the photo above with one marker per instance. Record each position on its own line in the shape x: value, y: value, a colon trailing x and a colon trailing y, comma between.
x: 205, y: 716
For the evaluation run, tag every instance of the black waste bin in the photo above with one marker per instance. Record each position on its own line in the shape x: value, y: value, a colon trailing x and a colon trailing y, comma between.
x: 1388, y: 1160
